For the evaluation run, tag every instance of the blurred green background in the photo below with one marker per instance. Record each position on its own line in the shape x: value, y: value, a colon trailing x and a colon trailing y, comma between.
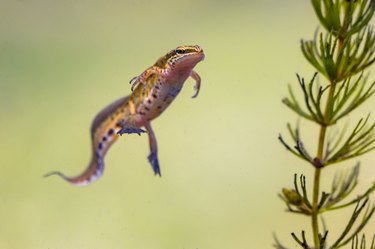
x: 62, y: 61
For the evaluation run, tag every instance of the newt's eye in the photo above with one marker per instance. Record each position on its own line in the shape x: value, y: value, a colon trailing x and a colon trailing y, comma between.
x: 180, y: 51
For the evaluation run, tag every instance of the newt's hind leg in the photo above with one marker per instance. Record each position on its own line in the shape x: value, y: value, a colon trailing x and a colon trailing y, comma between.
x: 153, y: 156
x: 127, y: 128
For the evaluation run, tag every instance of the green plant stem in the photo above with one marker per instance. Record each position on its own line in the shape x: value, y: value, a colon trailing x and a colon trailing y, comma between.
x: 322, y: 136
x: 315, y: 211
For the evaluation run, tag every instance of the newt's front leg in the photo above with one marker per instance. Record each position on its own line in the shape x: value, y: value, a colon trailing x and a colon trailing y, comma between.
x: 142, y: 78
x: 153, y: 157
x: 197, y: 85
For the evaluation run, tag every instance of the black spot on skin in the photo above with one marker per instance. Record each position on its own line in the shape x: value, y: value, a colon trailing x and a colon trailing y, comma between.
x: 111, y: 132
x: 157, y: 87
x: 159, y: 107
x: 104, y: 139
x: 149, y: 101
x: 154, y: 95
x: 142, y: 113
x: 146, y: 108
x: 100, y: 146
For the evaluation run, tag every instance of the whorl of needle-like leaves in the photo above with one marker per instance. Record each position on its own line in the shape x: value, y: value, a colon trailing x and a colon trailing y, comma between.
x: 341, y: 55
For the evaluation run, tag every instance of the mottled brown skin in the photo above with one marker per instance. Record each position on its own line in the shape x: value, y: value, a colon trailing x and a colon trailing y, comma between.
x: 154, y: 90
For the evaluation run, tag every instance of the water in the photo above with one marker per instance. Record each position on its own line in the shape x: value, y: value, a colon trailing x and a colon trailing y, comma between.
x: 61, y: 62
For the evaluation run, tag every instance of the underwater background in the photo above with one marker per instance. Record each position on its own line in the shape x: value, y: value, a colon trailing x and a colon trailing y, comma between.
x: 61, y: 62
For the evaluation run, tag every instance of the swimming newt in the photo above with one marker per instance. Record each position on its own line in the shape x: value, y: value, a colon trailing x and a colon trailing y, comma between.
x: 152, y: 92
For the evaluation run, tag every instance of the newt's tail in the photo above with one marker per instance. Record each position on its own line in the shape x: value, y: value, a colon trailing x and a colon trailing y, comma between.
x: 96, y: 166
x: 93, y: 172
x: 104, y: 131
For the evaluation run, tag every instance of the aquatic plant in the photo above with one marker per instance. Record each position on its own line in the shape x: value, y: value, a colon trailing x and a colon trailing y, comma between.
x: 341, y: 54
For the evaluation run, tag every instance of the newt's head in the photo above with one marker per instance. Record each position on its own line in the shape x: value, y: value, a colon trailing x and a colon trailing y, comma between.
x: 182, y: 57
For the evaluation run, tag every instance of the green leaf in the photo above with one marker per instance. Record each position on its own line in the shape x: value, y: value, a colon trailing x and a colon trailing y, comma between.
x: 344, y: 238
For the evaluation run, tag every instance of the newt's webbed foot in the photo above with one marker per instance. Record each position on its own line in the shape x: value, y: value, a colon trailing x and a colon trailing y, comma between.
x: 130, y: 130
x: 153, y: 159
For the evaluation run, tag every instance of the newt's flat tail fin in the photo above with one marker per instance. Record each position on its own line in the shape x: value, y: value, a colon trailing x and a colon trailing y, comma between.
x: 92, y: 173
